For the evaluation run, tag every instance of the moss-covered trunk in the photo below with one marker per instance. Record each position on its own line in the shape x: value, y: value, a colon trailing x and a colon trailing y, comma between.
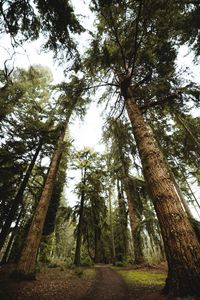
x: 181, y: 246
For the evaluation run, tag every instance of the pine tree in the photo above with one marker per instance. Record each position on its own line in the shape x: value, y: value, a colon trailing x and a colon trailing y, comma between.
x: 139, y: 56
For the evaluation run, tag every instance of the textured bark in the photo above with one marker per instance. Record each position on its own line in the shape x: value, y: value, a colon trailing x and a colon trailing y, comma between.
x: 18, y: 199
x: 134, y: 221
x: 26, y: 264
x: 181, y: 246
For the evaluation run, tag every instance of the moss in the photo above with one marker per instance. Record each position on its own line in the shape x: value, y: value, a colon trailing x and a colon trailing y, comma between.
x: 86, y: 273
x: 89, y: 273
x: 143, y: 278
x: 78, y: 272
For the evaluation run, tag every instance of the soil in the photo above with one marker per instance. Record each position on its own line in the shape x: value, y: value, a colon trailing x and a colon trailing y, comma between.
x: 63, y: 284
x: 107, y: 285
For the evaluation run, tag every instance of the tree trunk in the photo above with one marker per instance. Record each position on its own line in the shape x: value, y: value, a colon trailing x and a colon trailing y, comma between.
x: 77, y: 258
x: 131, y: 195
x: 134, y: 221
x: 111, y: 229
x: 181, y: 246
x: 189, y: 132
x: 180, y: 194
x: 18, y: 199
x: 123, y: 220
x: 26, y: 265
x: 12, y: 237
x: 191, y: 191
x: 96, y: 245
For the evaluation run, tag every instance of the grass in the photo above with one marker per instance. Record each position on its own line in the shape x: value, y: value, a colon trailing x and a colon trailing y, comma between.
x: 86, y: 273
x: 142, y: 278
x: 89, y: 274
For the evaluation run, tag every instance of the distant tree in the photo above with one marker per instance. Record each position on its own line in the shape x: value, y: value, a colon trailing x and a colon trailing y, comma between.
x: 92, y: 209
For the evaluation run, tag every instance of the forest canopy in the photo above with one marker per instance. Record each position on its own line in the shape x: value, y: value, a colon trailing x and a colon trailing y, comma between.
x: 136, y: 197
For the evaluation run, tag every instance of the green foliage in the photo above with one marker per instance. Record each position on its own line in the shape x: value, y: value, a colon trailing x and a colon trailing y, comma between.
x: 92, y: 186
x: 141, y: 278
x: 55, y: 20
x: 78, y: 272
x: 23, y: 128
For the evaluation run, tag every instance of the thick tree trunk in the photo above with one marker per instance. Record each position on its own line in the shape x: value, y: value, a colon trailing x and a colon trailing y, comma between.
x: 134, y: 222
x: 77, y: 258
x: 18, y: 199
x: 181, y: 246
x: 26, y: 264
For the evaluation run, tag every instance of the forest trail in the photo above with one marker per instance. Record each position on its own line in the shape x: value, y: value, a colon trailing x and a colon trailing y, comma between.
x: 108, y: 285
x: 100, y: 283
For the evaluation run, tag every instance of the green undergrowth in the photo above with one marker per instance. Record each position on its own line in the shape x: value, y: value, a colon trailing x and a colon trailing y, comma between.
x: 142, y: 278
x: 85, y: 273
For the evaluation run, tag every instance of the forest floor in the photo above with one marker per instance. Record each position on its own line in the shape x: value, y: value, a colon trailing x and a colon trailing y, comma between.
x: 101, y: 282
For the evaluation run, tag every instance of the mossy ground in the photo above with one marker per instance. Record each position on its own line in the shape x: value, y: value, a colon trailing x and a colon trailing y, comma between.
x: 89, y: 274
x: 85, y: 273
x: 142, y: 278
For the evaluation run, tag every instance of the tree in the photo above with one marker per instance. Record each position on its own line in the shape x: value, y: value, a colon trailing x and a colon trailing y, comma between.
x: 91, y: 210
x: 137, y: 68
x: 24, y: 21
x: 25, y: 131
x: 122, y: 146
x: 26, y: 264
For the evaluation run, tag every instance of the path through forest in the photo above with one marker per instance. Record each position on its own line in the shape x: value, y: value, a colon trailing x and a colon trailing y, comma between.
x: 102, y: 282
x: 107, y: 285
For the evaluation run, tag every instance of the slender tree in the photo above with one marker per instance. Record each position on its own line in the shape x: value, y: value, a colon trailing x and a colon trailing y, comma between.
x: 122, y: 146
x: 26, y: 264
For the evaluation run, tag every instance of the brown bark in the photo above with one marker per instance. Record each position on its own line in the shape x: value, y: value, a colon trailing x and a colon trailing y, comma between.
x: 181, y: 246
x: 132, y: 202
x: 26, y: 264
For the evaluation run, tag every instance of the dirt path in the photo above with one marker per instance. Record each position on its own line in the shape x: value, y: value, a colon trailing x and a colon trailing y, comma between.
x: 108, y: 285
x: 57, y: 284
